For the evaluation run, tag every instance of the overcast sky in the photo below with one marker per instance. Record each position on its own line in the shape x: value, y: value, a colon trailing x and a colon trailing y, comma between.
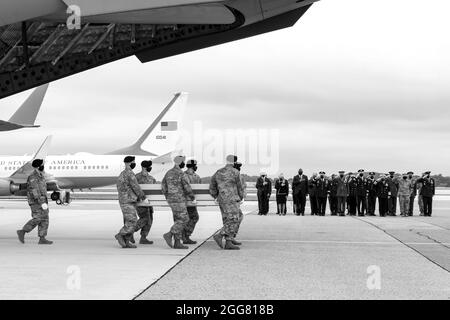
x: 354, y: 84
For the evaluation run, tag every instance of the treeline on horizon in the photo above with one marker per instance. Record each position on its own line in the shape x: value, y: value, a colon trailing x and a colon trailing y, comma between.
x: 441, y: 181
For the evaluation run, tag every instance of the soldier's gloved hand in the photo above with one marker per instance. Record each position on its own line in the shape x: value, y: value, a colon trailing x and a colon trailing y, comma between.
x: 194, y: 201
x: 242, y: 201
x: 44, y: 206
x: 216, y: 201
x: 145, y: 201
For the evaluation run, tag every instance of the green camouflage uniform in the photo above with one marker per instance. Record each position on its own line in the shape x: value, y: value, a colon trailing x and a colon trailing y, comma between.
x: 177, y: 190
x: 244, y: 193
x: 145, y: 213
x: 226, y: 187
x: 37, y: 195
x: 405, y: 188
x: 129, y: 194
x: 192, y: 211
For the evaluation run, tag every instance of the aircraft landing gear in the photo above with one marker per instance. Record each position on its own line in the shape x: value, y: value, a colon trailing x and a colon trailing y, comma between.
x: 61, y: 198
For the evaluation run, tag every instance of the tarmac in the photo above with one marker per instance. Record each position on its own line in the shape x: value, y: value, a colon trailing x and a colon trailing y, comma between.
x: 85, y: 261
x: 312, y: 257
x: 282, y: 257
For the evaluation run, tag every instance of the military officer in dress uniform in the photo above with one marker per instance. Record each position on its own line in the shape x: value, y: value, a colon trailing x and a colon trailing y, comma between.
x: 393, y: 184
x: 413, y: 192
x: 371, y: 194
x: 342, y: 192
x: 333, y: 188
x: 361, y: 193
x: 352, y: 195
x: 427, y: 192
x: 312, y: 191
x: 383, y: 193
x: 321, y: 193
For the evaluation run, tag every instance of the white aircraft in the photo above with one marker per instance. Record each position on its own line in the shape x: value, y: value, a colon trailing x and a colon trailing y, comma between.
x: 26, y: 115
x: 86, y: 170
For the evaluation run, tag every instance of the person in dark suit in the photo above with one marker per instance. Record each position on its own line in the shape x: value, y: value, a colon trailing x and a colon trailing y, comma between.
x: 427, y: 192
x: 282, y: 192
x: 264, y: 190
x: 322, y: 193
x: 361, y: 193
x: 299, y: 192
x: 371, y: 194
x: 312, y: 187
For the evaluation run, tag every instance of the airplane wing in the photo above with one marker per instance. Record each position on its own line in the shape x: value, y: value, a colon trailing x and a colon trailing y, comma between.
x: 166, y: 158
x: 22, y: 173
x: 8, y: 126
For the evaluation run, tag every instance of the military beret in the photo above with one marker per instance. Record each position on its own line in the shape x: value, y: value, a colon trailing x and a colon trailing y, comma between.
x: 37, y: 163
x: 191, y: 163
x: 361, y: 170
x: 232, y: 158
x: 410, y: 172
x: 129, y: 159
x: 179, y: 159
x: 427, y: 172
x: 238, y: 165
x: 146, y: 163
x: 321, y: 172
x: 391, y: 172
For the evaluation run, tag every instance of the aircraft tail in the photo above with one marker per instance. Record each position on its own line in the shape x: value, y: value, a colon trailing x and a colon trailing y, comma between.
x: 163, y: 135
x: 28, y: 111
x: 41, y: 153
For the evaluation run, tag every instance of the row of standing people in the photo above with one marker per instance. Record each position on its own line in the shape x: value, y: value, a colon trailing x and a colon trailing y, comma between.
x: 350, y: 193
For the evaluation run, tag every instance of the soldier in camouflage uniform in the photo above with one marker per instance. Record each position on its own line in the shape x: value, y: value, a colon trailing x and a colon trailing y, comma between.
x: 130, y: 193
x: 37, y: 199
x: 145, y: 213
x: 226, y: 189
x: 193, y: 178
x: 177, y: 190
x: 238, y: 166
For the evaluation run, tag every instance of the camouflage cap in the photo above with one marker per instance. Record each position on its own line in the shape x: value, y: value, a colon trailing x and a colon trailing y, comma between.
x: 179, y: 159
x: 231, y: 158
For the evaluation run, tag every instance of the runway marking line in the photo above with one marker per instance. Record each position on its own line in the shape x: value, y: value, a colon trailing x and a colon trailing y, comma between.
x: 338, y: 242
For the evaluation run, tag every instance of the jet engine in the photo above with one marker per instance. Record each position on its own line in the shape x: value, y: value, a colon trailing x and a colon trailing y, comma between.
x: 7, y: 188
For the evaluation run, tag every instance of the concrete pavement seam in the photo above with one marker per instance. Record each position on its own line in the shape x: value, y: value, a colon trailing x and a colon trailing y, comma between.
x: 181, y: 260
x: 412, y: 248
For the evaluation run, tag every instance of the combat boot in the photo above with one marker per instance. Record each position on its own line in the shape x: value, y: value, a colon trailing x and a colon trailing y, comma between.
x: 178, y: 245
x: 42, y: 240
x: 236, y: 243
x: 130, y: 245
x: 168, y: 237
x: 144, y: 240
x: 21, y: 235
x: 188, y: 240
x: 121, y: 240
x: 230, y: 246
x: 218, y: 238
